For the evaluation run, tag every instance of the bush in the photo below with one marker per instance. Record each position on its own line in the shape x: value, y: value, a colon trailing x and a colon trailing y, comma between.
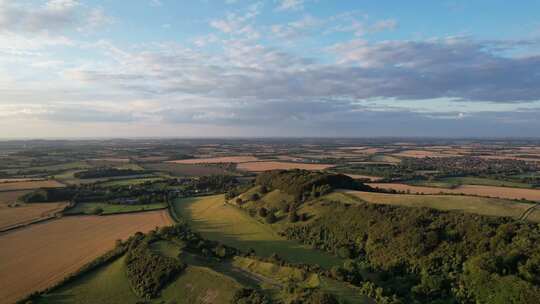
x: 293, y: 217
x: 271, y: 218
x: 96, y: 211
x: 254, y: 197
x: 263, y: 212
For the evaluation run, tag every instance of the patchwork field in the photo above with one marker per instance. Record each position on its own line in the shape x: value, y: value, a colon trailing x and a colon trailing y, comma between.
x: 469, y: 204
x: 424, y: 153
x: 215, y: 160
x: 40, y: 255
x: 275, y: 165
x: 222, y: 222
x: 27, y: 213
x: 26, y: 185
x: 489, y: 191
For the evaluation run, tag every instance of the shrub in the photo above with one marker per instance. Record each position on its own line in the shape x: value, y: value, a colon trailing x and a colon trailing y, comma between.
x: 263, y: 212
x: 271, y: 218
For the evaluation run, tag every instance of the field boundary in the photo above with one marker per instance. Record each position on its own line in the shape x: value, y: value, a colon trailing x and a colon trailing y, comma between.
x: 58, y: 214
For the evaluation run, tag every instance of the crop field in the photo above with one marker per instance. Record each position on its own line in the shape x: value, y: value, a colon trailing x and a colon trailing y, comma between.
x: 225, y: 223
x: 215, y: 160
x: 469, y: 204
x: 8, y: 197
x: 40, y: 255
x: 26, y: 185
x: 451, y: 182
x: 275, y: 165
x: 26, y: 213
x: 186, y: 169
x: 129, y: 181
x: 106, y: 209
x: 489, y: 191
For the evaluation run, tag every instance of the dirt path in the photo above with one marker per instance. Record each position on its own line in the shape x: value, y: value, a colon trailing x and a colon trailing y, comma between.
x: 38, y: 256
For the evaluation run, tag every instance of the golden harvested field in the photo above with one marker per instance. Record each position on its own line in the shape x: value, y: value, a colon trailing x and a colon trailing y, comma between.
x: 489, y: 191
x: 8, y: 197
x: 214, y: 160
x: 476, y: 205
x: 275, y: 165
x: 27, y: 213
x: 30, y: 185
x: 40, y: 255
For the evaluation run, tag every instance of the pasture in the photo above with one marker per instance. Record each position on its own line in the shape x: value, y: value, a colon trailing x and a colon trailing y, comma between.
x: 222, y: 222
x: 488, y: 191
x: 107, y: 209
x: 275, y: 165
x: 41, y: 255
x: 469, y: 204
x: 452, y: 182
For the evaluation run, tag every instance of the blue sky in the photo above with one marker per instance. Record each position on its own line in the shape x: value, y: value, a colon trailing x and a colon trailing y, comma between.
x: 82, y: 68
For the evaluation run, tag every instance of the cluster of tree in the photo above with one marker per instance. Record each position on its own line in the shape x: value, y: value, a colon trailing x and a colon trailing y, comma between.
x: 48, y: 195
x: 106, y: 172
x: 425, y: 256
x: 249, y: 296
x: 148, y: 272
x: 302, y: 183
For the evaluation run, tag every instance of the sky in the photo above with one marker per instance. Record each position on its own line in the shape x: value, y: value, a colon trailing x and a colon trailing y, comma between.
x: 276, y: 68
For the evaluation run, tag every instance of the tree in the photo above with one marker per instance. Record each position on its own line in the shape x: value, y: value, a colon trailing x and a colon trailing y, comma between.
x: 293, y: 216
x: 255, y: 197
x: 271, y: 218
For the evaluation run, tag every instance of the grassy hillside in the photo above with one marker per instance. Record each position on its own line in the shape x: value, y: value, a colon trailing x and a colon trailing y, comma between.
x: 218, y: 221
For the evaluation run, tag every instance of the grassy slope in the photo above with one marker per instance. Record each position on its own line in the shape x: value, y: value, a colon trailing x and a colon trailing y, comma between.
x: 470, y: 204
x: 88, y: 208
x: 109, y: 285
x: 217, y: 221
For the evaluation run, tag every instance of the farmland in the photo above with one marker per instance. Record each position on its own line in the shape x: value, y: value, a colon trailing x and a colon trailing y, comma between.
x: 488, y: 191
x: 63, y: 246
x: 27, y: 213
x: 215, y: 160
x: 107, y: 209
x: 26, y: 185
x: 274, y: 165
x: 469, y: 204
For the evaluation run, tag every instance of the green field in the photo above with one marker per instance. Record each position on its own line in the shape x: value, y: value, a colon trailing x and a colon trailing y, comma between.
x: 109, y: 285
x: 129, y: 181
x: 452, y: 182
x: 469, y: 204
x: 232, y: 226
x: 90, y: 208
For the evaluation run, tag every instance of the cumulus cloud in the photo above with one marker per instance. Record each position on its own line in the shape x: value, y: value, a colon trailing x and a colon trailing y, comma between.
x: 290, y: 5
x: 456, y: 68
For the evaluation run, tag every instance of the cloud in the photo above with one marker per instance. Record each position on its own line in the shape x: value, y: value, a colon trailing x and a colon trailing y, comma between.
x: 239, y: 24
x: 290, y: 5
x: 52, y: 17
x: 454, y: 68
